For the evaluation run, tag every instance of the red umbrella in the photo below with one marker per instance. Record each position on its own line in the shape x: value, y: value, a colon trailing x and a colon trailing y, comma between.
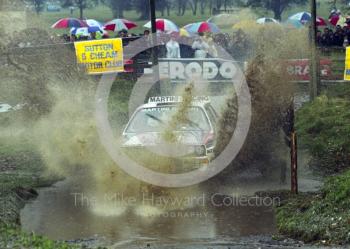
x: 164, y: 25
x: 119, y: 24
x: 334, y: 20
x: 320, y: 21
x: 69, y: 23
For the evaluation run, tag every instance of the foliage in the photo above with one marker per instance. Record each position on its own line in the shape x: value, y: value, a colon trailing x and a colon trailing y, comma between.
x: 324, y: 128
x: 11, y: 237
x: 323, y: 217
x: 277, y: 6
x: 38, y: 5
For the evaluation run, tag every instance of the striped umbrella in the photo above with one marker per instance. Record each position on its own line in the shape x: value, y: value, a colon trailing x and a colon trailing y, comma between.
x: 163, y: 25
x: 119, y: 24
x: 68, y: 23
x: 202, y: 27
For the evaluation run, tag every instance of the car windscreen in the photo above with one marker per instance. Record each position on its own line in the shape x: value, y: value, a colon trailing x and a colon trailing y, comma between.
x: 157, y: 119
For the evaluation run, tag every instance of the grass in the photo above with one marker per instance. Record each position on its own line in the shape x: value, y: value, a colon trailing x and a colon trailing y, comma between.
x: 20, y: 167
x: 323, y: 217
x: 323, y: 127
x: 11, y: 237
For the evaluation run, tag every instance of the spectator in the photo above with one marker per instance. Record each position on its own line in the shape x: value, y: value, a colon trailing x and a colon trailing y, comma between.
x: 338, y: 37
x: 213, y: 52
x: 201, y: 47
x: 173, y: 47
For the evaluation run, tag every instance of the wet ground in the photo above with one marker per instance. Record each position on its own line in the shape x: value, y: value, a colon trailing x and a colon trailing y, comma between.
x: 212, y: 220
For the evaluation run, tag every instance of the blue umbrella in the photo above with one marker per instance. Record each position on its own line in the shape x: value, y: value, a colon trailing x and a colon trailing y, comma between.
x: 85, y: 31
x: 302, y: 17
x: 94, y: 29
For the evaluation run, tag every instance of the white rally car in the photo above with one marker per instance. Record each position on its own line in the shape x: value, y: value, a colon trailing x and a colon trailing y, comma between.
x: 194, y: 131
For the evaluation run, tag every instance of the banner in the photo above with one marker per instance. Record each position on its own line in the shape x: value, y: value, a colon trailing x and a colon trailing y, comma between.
x: 347, y: 64
x: 203, y: 69
x: 300, y: 69
x: 100, y: 56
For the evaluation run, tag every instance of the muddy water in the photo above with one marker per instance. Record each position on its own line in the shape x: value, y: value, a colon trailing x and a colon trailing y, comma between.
x: 59, y: 214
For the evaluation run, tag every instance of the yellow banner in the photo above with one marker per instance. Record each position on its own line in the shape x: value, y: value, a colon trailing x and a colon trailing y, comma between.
x: 100, y: 56
x: 347, y: 64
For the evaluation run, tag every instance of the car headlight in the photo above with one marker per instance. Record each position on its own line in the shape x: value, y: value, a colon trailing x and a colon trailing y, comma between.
x: 200, y: 150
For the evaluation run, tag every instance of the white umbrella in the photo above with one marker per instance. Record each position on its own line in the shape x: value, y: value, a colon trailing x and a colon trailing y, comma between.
x: 93, y: 23
x: 265, y: 20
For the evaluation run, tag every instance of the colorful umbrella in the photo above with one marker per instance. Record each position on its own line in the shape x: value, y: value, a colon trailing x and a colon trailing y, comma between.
x: 302, y: 17
x: 68, y: 23
x: 119, y: 24
x: 305, y: 17
x: 80, y: 31
x: 184, y: 32
x: 202, y: 27
x: 93, y: 23
x: 164, y: 25
x: 85, y: 31
x: 338, y: 20
x: 265, y: 20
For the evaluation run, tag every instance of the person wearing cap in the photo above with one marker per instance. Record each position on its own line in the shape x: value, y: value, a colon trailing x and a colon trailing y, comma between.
x: 173, y: 47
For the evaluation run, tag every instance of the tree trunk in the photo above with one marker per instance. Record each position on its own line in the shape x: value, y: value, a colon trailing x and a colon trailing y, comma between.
x: 120, y: 12
x: 81, y: 11
x: 203, y: 5
x: 195, y: 7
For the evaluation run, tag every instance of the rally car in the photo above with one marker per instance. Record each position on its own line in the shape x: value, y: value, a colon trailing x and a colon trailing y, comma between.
x: 192, y: 133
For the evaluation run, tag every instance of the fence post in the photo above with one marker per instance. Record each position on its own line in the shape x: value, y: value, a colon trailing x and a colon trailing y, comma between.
x: 314, y: 60
x: 294, y: 162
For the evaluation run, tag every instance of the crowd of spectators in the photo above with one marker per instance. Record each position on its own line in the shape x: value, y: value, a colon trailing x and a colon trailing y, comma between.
x: 175, y: 46
x: 337, y: 38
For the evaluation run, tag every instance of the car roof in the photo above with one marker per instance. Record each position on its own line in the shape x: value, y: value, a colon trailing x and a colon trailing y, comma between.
x: 152, y: 105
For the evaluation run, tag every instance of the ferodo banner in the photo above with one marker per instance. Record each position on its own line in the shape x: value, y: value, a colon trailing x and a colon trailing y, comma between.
x: 347, y: 64
x: 206, y: 69
x: 100, y: 56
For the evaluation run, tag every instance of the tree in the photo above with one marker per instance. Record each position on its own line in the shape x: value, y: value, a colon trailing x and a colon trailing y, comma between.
x: 118, y: 7
x: 82, y: 4
x: 142, y: 7
x: 38, y: 5
x: 276, y: 6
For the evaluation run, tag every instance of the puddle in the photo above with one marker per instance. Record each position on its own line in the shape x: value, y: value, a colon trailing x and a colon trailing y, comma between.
x: 59, y: 215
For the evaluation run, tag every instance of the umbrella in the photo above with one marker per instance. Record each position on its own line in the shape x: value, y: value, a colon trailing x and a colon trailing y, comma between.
x: 202, y: 27
x: 264, y: 20
x: 184, y: 32
x: 338, y: 20
x: 93, y: 23
x: 305, y: 17
x: 80, y: 31
x: 85, y: 31
x: 68, y: 23
x: 119, y: 24
x: 181, y: 32
x: 163, y: 25
x: 302, y: 17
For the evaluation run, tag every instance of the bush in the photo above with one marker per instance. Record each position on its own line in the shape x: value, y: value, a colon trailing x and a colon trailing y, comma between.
x: 324, y: 128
